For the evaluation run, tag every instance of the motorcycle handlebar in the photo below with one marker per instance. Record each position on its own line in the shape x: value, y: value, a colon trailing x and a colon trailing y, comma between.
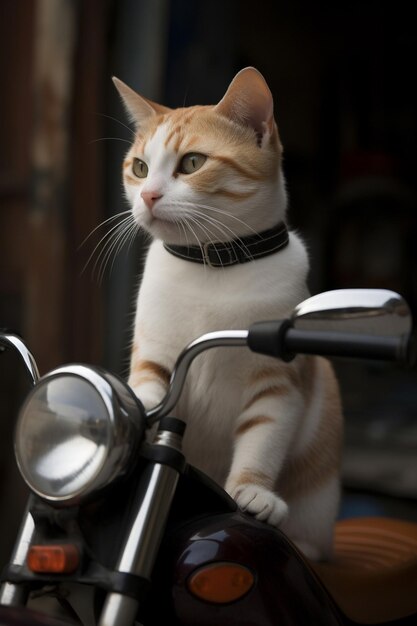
x: 280, y: 340
x: 273, y: 338
x: 12, y: 340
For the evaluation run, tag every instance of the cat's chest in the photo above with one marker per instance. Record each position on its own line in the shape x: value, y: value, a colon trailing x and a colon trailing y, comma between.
x: 194, y: 300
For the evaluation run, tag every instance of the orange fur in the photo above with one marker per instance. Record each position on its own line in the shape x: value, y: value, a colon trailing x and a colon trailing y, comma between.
x: 145, y: 371
x: 253, y: 477
x: 275, y: 389
x: 252, y: 422
x: 201, y: 129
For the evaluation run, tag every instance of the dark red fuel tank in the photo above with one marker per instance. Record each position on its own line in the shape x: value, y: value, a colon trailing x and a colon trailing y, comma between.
x: 285, y: 591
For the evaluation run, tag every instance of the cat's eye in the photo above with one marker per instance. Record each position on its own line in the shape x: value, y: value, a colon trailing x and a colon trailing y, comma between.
x: 139, y: 168
x: 191, y: 162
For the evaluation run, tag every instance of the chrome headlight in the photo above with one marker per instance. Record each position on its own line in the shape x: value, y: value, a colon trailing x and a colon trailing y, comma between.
x: 76, y: 433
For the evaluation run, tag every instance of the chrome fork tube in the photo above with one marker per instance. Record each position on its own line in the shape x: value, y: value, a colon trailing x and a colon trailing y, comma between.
x: 145, y: 534
x: 10, y: 593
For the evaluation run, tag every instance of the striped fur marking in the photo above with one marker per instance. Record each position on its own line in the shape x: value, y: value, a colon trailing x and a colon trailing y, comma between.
x: 274, y: 390
x: 253, y: 477
x: 146, y: 371
x: 252, y: 422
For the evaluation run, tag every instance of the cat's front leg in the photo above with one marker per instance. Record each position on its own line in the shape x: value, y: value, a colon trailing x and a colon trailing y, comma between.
x: 263, y: 435
x: 149, y: 376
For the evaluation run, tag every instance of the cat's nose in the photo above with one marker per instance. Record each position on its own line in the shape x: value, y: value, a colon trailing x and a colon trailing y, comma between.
x: 150, y: 197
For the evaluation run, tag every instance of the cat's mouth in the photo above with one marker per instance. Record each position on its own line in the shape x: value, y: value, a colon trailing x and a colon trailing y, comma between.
x: 164, y: 227
x: 163, y: 222
x: 173, y: 230
x: 178, y: 228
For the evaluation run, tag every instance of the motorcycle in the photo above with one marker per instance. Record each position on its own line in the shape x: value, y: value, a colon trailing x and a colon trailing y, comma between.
x: 121, y: 531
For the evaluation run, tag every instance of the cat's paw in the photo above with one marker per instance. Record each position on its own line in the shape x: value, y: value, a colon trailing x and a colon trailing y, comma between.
x: 148, y: 396
x: 262, y: 503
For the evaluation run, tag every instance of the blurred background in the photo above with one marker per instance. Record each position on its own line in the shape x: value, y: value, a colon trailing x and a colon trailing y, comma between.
x: 342, y: 76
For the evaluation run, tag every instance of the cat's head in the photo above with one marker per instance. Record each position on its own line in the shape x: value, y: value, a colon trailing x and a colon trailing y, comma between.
x: 206, y: 173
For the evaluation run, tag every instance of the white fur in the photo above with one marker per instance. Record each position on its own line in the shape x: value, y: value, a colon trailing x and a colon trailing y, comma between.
x: 178, y: 301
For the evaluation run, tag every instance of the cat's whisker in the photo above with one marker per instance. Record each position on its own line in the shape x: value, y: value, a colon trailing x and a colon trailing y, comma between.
x: 105, y: 240
x: 185, y: 234
x: 224, y: 230
x: 217, y: 224
x: 122, y: 242
x: 108, y: 242
x: 208, y: 232
x: 221, y: 211
x: 146, y: 234
x: 207, y: 207
x: 109, y: 219
x: 133, y: 235
x: 213, y: 222
x: 110, y: 139
x: 114, y: 119
x: 105, y: 254
x: 114, y: 248
x: 186, y: 220
x: 184, y: 230
x: 180, y: 226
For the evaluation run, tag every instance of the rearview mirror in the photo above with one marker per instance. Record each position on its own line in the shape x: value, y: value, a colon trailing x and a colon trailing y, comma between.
x: 365, y: 311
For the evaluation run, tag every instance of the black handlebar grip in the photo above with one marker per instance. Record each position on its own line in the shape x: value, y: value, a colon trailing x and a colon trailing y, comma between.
x: 269, y: 338
x: 345, y: 344
x: 280, y: 340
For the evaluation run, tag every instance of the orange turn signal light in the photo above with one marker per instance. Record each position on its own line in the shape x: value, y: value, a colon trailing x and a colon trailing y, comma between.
x: 53, y: 559
x: 221, y: 582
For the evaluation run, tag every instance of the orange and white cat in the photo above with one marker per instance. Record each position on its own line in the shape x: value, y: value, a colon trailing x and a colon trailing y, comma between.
x: 269, y: 432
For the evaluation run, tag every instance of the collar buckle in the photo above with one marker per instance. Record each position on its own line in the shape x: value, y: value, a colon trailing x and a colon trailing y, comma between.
x: 206, y: 254
x: 224, y: 256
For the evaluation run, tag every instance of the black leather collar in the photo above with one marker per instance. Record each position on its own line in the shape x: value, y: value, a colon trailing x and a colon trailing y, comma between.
x: 242, y: 250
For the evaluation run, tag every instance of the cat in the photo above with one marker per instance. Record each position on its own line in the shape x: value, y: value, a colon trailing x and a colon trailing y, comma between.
x: 269, y: 432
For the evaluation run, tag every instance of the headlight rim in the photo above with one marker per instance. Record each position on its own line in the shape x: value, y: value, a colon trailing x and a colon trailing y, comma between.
x: 116, y: 437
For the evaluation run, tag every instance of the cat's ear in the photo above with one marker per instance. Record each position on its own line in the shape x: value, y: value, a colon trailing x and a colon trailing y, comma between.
x: 249, y: 101
x: 137, y: 107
